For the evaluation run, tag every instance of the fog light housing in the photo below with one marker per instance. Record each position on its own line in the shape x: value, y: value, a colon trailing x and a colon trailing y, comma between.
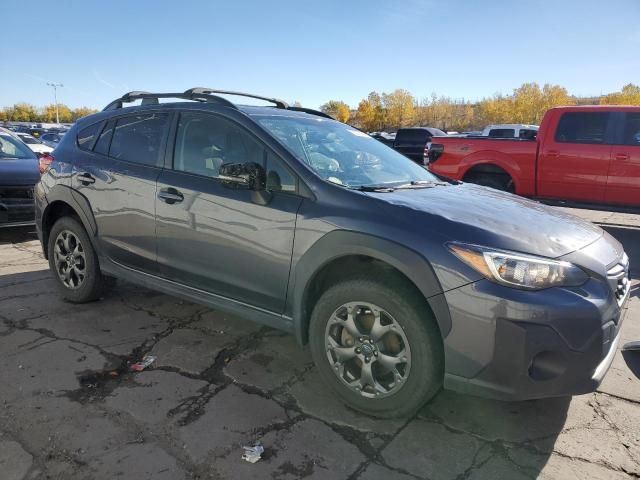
x: 547, y: 365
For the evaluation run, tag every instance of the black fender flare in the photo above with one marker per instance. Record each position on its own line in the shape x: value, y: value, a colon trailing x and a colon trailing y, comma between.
x: 77, y: 201
x: 342, y: 243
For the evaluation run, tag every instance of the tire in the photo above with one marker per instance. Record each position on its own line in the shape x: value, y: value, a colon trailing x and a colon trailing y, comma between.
x: 85, y: 282
x: 496, y: 182
x: 405, y: 307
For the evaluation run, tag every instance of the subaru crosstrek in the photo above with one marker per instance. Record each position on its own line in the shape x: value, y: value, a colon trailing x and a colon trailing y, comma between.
x: 400, y: 281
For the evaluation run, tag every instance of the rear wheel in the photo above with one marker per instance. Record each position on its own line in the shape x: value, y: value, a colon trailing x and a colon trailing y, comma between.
x: 74, y: 262
x: 377, y: 346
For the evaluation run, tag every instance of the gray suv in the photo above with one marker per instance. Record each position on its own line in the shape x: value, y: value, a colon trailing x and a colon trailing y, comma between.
x: 400, y: 281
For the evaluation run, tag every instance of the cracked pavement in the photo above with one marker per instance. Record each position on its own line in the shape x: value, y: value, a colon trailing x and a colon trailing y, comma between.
x: 70, y: 409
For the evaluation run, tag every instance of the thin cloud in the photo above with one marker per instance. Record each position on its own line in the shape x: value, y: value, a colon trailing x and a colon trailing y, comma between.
x: 107, y: 83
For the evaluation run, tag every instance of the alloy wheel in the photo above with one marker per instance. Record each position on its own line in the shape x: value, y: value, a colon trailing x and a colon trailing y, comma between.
x: 70, y: 260
x: 367, y: 349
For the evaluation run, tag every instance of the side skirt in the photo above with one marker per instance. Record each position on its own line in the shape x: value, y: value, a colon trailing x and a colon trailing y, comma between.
x: 265, y: 317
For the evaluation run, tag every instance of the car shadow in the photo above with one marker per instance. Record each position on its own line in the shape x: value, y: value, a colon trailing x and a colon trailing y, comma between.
x: 17, y: 234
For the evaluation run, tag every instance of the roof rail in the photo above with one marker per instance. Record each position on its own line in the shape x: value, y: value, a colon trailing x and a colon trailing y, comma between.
x: 311, y: 111
x: 208, y: 91
x: 152, y: 98
x: 200, y: 94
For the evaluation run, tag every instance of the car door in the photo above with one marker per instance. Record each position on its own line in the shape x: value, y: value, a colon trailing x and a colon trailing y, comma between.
x: 118, y: 176
x: 573, y: 162
x: 623, y: 184
x: 219, y: 238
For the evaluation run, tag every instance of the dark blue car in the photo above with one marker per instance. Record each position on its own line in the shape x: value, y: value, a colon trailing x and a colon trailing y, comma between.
x: 18, y: 174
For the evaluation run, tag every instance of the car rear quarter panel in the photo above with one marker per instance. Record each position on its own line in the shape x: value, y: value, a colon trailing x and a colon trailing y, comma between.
x: 516, y: 157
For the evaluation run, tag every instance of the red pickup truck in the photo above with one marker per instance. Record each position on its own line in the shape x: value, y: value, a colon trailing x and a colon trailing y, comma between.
x: 586, y: 154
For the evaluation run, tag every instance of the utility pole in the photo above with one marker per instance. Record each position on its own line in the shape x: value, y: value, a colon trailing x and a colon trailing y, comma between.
x: 55, y: 97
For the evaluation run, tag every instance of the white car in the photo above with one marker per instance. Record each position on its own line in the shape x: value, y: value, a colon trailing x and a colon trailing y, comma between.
x: 33, y: 143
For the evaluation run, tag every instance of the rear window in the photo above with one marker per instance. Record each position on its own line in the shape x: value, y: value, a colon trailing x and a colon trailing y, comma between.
x: 582, y: 127
x: 413, y: 135
x: 632, y: 129
x: 87, y: 136
x: 138, y: 138
x: 502, y: 132
x: 13, y: 148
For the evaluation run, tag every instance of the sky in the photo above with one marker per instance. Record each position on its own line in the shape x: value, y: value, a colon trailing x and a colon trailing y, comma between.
x: 316, y: 50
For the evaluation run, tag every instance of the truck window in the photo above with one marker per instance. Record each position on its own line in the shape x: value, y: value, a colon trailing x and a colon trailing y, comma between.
x: 582, y: 127
x: 632, y: 129
x: 528, y: 134
x: 412, y: 135
x: 502, y: 133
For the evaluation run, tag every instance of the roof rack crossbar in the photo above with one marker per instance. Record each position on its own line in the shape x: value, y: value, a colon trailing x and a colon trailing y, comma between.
x: 208, y: 91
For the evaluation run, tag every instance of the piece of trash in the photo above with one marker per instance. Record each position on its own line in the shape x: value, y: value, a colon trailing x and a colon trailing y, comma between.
x: 253, y: 453
x: 629, y: 346
x: 146, y: 362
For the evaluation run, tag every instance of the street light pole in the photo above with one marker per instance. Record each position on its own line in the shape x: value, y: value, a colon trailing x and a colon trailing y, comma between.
x: 55, y: 97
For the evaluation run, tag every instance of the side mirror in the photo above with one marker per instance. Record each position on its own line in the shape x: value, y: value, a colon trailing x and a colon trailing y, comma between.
x: 248, y: 175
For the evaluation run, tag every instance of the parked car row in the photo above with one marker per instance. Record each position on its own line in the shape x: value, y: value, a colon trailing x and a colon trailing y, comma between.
x: 401, y: 281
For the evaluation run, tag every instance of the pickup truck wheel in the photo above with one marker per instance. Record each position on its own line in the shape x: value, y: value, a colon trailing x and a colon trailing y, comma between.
x: 377, y: 347
x: 74, y: 262
x: 498, y: 182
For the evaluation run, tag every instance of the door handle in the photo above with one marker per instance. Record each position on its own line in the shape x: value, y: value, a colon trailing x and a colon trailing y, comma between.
x: 170, y: 196
x: 86, y: 178
x: 552, y: 154
x: 622, y: 156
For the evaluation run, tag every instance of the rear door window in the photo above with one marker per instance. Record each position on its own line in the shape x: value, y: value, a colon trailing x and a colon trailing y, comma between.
x: 631, y: 134
x: 87, y: 136
x: 138, y: 138
x: 582, y: 127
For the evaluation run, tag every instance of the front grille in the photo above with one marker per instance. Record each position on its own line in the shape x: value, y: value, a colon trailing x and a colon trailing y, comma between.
x: 16, y: 204
x: 15, y: 193
x: 618, y: 277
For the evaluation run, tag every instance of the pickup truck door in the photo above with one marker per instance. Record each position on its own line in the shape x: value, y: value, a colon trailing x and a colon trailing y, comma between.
x: 623, y: 185
x: 574, y: 158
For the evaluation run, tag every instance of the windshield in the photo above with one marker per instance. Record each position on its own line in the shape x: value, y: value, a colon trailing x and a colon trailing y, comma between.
x: 13, y: 148
x: 343, y: 155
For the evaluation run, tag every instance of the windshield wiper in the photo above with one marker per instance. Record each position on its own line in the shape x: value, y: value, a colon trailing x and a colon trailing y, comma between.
x: 373, y: 188
x: 420, y: 184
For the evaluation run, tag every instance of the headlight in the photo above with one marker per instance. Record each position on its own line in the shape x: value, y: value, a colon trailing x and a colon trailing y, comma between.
x: 519, y: 270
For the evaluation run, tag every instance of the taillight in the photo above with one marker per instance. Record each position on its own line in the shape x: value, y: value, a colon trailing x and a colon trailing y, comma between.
x: 44, y: 161
x: 425, y: 154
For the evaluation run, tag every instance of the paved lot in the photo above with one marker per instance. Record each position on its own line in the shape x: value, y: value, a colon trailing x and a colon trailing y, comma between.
x: 70, y: 410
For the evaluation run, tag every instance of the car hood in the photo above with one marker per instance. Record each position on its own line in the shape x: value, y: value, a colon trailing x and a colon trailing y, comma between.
x: 19, y: 171
x: 484, y: 216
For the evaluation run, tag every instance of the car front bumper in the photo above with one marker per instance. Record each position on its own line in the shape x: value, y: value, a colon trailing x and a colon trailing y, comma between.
x: 517, y: 345
x: 16, y: 206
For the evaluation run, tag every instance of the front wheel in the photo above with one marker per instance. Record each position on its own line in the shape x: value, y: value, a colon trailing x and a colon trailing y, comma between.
x: 377, y: 346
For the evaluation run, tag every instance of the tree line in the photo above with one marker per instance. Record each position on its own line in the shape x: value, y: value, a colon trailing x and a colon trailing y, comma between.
x: 25, y: 112
x: 527, y: 104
